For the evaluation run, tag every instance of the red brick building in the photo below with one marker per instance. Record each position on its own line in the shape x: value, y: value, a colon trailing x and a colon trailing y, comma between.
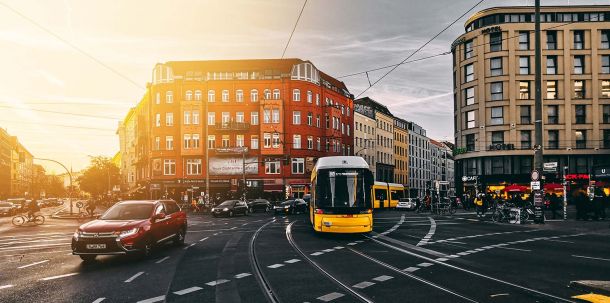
x: 286, y: 113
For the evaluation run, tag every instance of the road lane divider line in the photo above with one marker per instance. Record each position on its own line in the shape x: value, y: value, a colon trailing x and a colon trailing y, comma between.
x: 292, y: 261
x: 6, y: 286
x: 363, y: 284
x: 59, y: 277
x: 187, y: 290
x: 242, y: 275
x: 431, y: 232
x: 593, y: 258
x: 190, y: 246
x: 33, y: 246
x: 274, y: 266
x: 134, y: 277
x: 203, y: 239
x: 32, y: 264
x: 161, y: 260
x: 217, y: 282
x: 517, y: 249
x: 153, y: 300
x: 331, y: 296
x: 98, y: 300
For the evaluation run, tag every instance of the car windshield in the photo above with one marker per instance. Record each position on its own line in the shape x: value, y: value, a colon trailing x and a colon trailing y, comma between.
x: 287, y: 202
x: 128, y: 212
x: 227, y: 203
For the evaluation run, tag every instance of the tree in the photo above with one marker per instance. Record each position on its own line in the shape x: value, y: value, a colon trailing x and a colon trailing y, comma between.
x: 55, y: 186
x: 99, y: 178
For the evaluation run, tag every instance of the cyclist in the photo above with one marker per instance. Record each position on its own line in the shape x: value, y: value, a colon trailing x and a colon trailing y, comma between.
x: 32, y: 208
x: 90, y: 207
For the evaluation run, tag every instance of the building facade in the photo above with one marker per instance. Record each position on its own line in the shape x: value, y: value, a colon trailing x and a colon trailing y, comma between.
x: 493, y: 67
x: 401, y: 152
x: 5, y: 164
x: 441, y: 164
x: 127, y: 133
x: 272, y: 117
x: 21, y: 169
x: 419, y: 159
x: 364, y: 134
x: 384, y: 138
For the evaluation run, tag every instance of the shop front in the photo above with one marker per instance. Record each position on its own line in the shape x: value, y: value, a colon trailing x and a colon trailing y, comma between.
x: 298, y: 188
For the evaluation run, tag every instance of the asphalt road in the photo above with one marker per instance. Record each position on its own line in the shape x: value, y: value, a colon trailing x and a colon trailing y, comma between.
x: 260, y: 258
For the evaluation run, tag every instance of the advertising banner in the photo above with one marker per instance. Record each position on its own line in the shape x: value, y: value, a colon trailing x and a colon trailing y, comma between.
x: 232, y: 166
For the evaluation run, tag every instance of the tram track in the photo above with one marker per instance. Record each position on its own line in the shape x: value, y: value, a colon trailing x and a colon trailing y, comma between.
x: 257, y: 269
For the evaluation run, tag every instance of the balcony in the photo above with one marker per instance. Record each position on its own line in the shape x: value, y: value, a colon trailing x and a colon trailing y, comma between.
x: 232, y: 126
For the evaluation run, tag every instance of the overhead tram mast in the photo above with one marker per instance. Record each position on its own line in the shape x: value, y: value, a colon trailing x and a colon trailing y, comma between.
x: 539, y: 217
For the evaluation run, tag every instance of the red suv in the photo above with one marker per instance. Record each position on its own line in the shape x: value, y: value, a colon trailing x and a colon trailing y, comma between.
x: 130, y: 227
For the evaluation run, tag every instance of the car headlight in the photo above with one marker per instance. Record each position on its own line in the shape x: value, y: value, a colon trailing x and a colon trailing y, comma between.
x: 225, y: 209
x: 129, y: 232
x: 76, y: 235
x: 286, y: 206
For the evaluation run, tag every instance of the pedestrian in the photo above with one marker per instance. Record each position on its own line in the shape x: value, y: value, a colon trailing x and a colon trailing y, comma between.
x: 478, y: 204
x: 554, y: 204
x: 580, y: 199
x: 598, y: 204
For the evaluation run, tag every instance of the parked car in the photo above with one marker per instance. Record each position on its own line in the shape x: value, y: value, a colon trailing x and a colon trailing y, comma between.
x: 406, y: 203
x: 230, y: 208
x: 19, y: 203
x: 307, y: 198
x: 131, y: 227
x: 294, y: 206
x: 7, y: 209
x: 259, y: 205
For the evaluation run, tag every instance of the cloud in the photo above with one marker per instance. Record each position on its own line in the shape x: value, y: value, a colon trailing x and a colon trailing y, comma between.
x: 51, y: 78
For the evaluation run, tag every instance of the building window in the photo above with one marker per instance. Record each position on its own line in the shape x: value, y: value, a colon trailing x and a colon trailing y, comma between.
x: 276, y: 140
x: 266, y: 116
x: 296, y: 117
x: 470, y: 142
x: 196, y: 117
x: 605, y: 113
x: 187, y: 141
x: 211, y: 96
x: 254, y: 142
x: 579, y: 39
x: 267, y: 94
x: 606, y: 138
x: 296, y: 141
x: 552, y: 112
x: 158, y: 98
x: 169, y: 119
x: 605, y: 64
x: 169, y: 167
x: 580, y: 113
x: 526, y: 114
x: 469, y: 96
x: 239, y: 117
x: 309, y: 118
x: 225, y: 117
x: 605, y: 88
x: 239, y: 95
x: 298, y: 165
x: 496, y: 66
x: 469, y: 72
x: 157, y: 120
x: 581, y: 165
x: 551, y: 39
x: 524, y: 40
x: 272, y: 167
x: 195, y: 141
x: 318, y: 121
x: 495, y: 42
x: 254, y: 118
x: 188, y: 96
x: 239, y: 141
x: 309, y: 96
x: 318, y: 144
x: 267, y: 140
x: 275, y: 115
x: 225, y: 141
x: 496, y: 91
x: 605, y: 39
x: 524, y: 65
x: 551, y: 65
x: 553, y: 138
x: 497, y: 137
x: 187, y: 117
x: 497, y: 165
x: 211, y: 142
x: 309, y: 142
x: 254, y: 95
x: 497, y: 115
x: 197, y: 95
x: 581, y: 138
x: 317, y: 99
x: 157, y: 143
x: 211, y: 118
x: 193, y: 166
x: 526, y: 139
x: 225, y: 95
x: 551, y: 90
x: 579, y: 89
x: 524, y: 90
x: 296, y: 94
x: 468, y: 49
x: 276, y: 94
x: 169, y: 142
x: 470, y: 122
x: 579, y: 65
x: 169, y: 97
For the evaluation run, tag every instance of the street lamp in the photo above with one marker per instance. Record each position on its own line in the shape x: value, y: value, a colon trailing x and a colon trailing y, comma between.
x: 69, y: 174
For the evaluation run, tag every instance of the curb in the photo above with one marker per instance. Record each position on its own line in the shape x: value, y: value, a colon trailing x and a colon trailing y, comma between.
x: 591, y: 286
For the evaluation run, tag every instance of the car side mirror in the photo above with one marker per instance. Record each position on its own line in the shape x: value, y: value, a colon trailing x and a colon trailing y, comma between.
x: 158, y: 216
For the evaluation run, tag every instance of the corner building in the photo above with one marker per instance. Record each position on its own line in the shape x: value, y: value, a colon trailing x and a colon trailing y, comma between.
x: 285, y: 111
x: 493, y: 72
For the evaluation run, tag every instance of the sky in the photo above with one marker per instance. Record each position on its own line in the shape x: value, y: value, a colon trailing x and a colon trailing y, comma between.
x: 92, y: 58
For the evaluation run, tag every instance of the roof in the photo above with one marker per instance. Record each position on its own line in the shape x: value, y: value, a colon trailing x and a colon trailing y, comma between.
x: 378, y: 107
x: 530, y: 9
x: 341, y: 162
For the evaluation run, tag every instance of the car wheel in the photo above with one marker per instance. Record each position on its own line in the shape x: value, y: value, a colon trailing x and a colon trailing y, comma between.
x: 147, y: 249
x: 180, y: 235
x: 88, y: 258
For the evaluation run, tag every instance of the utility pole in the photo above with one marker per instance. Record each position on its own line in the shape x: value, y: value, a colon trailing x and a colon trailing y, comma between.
x: 538, y: 159
x: 69, y: 174
x: 207, y: 149
x: 243, y: 169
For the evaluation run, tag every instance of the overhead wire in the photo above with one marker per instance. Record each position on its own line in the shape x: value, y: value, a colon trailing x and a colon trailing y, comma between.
x: 294, y: 28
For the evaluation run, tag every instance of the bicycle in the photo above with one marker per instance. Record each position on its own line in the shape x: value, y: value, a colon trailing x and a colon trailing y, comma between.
x: 85, y: 216
x: 20, y: 220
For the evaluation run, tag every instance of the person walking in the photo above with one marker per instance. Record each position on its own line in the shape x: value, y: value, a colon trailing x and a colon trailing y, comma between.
x: 479, y: 205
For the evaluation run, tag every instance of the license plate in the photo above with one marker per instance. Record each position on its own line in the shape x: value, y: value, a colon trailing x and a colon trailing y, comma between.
x: 96, y: 246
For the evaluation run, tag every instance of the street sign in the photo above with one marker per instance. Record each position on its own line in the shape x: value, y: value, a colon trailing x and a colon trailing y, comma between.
x: 535, y: 175
x: 549, y: 167
x: 535, y: 185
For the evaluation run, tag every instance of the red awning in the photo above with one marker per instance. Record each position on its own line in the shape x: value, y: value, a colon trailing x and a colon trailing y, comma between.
x: 553, y: 187
x: 516, y: 188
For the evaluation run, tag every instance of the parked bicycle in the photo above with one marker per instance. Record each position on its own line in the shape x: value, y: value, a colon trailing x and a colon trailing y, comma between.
x: 21, y: 220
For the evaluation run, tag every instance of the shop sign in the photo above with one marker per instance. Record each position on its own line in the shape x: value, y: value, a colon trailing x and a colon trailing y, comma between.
x: 232, y: 166
x: 493, y: 29
x: 538, y: 214
x: 535, y: 185
x: 501, y: 146
x: 602, y: 172
x: 577, y: 177
x: 549, y: 167
x: 470, y: 178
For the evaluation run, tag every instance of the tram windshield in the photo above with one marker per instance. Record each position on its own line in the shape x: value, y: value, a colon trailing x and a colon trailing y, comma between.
x: 343, y: 188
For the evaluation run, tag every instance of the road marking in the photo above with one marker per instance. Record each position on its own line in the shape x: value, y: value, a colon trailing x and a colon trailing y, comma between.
x: 442, y: 259
x: 153, y: 300
x: 352, y: 243
x: 560, y: 241
x: 431, y: 232
x: 187, y: 290
x: 98, y: 300
x: 275, y: 266
x: 6, y: 286
x: 424, y: 264
x: 317, y: 253
x: 33, y: 246
x: 217, y: 282
x: 331, y: 296
x: 593, y: 258
x: 338, y: 247
x: 518, y: 249
x: 242, y: 275
x: 189, y: 246
x: 364, y: 284
x: 35, y: 263
x: 292, y: 261
x: 203, y: 239
x: 134, y: 277
x: 411, y: 269
x: 58, y: 277
x: 498, y: 295
x: 328, y: 250
x: 383, y: 278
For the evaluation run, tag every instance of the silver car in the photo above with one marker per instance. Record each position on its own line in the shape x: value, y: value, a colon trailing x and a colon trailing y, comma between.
x: 7, y: 209
x: 406, y: 203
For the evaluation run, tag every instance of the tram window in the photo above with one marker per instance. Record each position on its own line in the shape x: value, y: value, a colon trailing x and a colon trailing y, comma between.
x: 396, y: 195
x: 381, y: 194
x: 341, y: 189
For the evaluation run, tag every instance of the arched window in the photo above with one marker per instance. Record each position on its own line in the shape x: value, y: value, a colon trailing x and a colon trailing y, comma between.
x: 239, y: 95
x: 276, y: 94
x: 169, y: 97
x: 254, y: 95
x: 197, y: 95
x: 211, y: 96
x: 189, y: 95
x: 296, y: 94
x: 225, y: 95
x: 267, y: 93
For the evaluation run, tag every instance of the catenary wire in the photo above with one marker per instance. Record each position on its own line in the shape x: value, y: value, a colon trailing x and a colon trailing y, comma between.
x: 293, y: 29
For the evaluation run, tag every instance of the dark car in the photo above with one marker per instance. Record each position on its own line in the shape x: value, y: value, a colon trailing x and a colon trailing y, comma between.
x: 230, y: 208
x: 7, y: 209
x: 131, y: 227
x: 294, y: 206
x: 259, y: 205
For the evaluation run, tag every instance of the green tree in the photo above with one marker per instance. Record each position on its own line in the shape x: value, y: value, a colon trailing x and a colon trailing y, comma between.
x: 55, y: 186
x: 99, y: 178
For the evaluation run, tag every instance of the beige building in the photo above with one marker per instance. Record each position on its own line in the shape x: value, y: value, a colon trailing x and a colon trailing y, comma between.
x: 364, y: 135
x: 401, y: 152
x: 493, y: 69
x: 384, y: 137
x: 127, y: 141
